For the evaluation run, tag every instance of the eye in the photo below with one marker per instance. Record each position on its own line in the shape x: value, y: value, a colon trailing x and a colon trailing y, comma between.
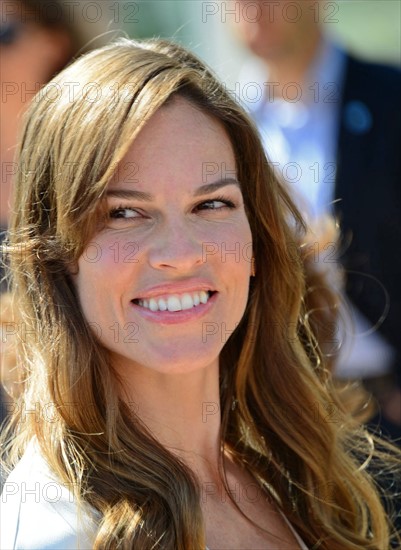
x: 124, y: 213
x: 219, y: 203
x: 118, y: 217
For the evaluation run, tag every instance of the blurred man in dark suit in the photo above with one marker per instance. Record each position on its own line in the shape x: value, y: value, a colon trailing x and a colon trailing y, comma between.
x: 332, y: 126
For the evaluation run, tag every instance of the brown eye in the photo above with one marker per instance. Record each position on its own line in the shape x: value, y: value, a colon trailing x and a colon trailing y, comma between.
x: 123, y: 213
x: 215, y: 204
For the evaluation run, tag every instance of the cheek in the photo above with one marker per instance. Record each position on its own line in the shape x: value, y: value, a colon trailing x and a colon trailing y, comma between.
x: 235, y: 261
x: 106, y: 270
x: 236, y: 248
x: 103, y: 261
x: 86, y: 289
x: 94, y: 280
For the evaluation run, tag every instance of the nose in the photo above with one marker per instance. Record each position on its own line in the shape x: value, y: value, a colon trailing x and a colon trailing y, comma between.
x: 176, y: 247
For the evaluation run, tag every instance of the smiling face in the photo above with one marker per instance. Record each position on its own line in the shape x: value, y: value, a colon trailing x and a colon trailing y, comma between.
x: 166, y: 280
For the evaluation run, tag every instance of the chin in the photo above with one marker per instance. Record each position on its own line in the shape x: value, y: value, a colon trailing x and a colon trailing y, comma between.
x: 183, y: 364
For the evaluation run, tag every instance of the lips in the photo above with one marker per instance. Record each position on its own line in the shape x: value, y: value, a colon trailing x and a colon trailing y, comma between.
x: 175, y: 302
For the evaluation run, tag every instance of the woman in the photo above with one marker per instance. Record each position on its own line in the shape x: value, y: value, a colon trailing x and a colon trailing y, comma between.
x: 173, y: 394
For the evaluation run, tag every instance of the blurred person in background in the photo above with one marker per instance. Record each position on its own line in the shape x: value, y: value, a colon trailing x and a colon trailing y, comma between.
x: 35, y: 44
x: 38, y: 39
x: 331, y: 124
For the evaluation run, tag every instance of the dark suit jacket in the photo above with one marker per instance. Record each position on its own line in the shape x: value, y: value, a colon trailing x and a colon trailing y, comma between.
x: 368, y: 186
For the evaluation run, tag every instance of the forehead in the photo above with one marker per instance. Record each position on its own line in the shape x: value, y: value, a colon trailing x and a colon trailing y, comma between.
x: 180, y: 144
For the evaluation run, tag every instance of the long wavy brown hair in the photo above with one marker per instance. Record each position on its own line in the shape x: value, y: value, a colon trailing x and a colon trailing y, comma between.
x: 288, y: 427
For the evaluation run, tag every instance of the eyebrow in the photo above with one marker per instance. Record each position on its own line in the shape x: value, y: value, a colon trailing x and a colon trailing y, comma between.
x: 143, y: 196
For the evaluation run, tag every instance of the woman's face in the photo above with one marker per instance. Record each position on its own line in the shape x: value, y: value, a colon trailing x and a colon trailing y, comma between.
x: 166, y: 281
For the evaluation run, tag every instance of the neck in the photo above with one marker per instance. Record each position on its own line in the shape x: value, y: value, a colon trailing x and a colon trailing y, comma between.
x: 182, y: 411
x: 292, y: 64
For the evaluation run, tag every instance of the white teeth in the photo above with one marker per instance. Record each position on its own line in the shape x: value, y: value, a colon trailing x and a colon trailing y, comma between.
x: 173, y: 303
x: 203, y: 296
x: 187, y: 302
x: 176, y: 302
x: 153, y: 305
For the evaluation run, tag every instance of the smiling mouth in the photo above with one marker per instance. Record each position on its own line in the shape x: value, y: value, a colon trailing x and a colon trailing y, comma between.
x: 175, y: 302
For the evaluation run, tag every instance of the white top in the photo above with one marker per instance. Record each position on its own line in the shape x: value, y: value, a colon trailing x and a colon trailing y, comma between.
x: 38, y: 513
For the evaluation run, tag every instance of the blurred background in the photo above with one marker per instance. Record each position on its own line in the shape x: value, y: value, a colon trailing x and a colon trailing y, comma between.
x: 369, y: 28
